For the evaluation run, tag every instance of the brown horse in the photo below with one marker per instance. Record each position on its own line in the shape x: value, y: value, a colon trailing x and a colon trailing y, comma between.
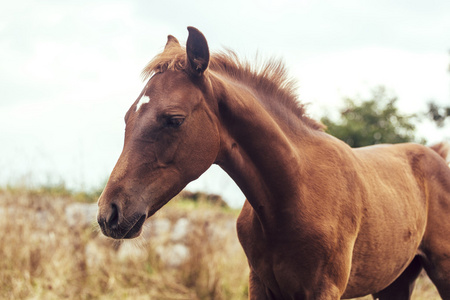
x: 321, y: 220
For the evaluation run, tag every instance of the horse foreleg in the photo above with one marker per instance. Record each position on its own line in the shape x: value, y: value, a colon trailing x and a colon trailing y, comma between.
x: 256, y: 289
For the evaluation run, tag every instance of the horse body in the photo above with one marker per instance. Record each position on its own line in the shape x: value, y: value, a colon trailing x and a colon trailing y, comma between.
x: 321, y: 220
x: 277, y: 224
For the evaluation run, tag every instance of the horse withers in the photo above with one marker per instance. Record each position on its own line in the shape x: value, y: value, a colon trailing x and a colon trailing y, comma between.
x: 321, y: 220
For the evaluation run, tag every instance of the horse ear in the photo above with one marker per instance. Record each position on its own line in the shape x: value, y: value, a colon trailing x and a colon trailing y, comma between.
x: 197, y: 52
x: 172, y: 41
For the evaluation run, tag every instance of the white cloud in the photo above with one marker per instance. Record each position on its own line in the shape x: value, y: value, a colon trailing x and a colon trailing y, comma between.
x: 414, y: 77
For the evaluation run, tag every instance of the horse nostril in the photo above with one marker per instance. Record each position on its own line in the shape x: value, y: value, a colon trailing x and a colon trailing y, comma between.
x: 113, y: 220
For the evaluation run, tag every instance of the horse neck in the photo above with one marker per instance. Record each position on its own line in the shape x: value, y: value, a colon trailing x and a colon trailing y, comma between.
x: 258, y: 152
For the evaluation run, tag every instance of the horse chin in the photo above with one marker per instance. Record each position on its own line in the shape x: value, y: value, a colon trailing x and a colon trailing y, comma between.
x: 136, y: 230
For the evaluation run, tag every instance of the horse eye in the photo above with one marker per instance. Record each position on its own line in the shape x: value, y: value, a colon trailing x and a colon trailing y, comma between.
x: 174, y: 121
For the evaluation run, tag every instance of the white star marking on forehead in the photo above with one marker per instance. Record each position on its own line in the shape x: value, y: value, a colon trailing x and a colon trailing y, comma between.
x: 144, y: 100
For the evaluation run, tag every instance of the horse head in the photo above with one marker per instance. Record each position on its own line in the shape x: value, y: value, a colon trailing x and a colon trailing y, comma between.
x: 171, y: 138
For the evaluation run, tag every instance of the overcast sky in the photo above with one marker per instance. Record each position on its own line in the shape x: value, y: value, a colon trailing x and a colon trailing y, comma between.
x: 69, y: 70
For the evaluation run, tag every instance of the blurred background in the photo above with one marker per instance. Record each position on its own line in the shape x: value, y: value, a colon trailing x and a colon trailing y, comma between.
x: 372, y: 71
x: 70, y: 70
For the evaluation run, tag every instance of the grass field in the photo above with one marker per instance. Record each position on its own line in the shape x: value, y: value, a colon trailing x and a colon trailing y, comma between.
x: 45, y: 255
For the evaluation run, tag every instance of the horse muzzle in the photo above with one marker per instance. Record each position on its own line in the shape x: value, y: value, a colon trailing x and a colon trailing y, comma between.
x: 114, y: 224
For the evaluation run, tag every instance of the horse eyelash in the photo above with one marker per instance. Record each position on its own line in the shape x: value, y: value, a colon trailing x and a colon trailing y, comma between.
x: 174, y: 121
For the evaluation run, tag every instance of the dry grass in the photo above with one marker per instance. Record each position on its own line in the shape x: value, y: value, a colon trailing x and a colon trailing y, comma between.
x: 42, y: 257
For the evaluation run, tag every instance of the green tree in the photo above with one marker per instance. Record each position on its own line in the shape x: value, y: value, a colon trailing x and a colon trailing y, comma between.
x: 373, y: 121
x: 438, y: 113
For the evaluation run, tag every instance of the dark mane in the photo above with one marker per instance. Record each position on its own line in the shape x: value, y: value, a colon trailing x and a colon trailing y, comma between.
x: 270, y: 78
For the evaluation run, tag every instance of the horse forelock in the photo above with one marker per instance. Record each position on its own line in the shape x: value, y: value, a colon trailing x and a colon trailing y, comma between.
x: 172, y: 58
x: 270, y: 77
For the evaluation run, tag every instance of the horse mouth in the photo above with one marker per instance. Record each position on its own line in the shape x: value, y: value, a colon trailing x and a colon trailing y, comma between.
x: 118, y: 231
x: 135, y: 231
